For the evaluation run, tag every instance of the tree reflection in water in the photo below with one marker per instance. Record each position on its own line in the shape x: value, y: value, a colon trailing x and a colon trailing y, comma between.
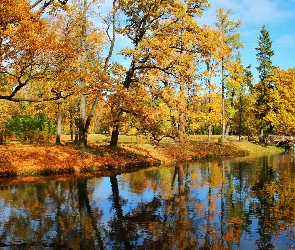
x: 212, y: 205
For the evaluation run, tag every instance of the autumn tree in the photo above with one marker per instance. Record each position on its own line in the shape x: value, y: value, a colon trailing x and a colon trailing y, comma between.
x: 20, y: 51
x: 243, y: 101
x: 30, y: 51
x: 204, y: 110
x: 94, y: 66
x: 239, y: 85
x: 166, y: 47
x: 284, y: 122
x: 232, y: 39
x: 40, y: 5
x: 279, y: 107
x: 213, y: 50
x: 33, y: 54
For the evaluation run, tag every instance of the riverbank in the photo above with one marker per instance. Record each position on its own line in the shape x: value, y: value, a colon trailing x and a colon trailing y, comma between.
x: 42, y: 160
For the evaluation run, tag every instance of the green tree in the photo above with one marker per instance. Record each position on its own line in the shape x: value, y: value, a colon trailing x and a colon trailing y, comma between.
x: 264, y: 54
x: 264, y: 88
x: 29, y: 127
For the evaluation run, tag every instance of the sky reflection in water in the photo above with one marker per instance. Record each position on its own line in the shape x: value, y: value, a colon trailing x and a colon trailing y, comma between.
x: 228, y: 204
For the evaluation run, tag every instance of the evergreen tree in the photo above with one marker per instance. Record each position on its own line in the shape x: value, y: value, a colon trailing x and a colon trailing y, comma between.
x: 264, y: 89
x: 264, y: 54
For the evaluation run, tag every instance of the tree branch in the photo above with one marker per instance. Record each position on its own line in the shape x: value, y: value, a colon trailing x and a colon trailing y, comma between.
x: 34, y: 100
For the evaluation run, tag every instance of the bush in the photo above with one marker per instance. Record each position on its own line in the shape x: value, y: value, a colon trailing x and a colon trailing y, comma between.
x: 220, y: 140
x: 28, y: 127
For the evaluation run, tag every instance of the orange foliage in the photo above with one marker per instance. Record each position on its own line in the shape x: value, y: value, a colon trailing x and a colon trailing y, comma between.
x: 30, y: 160
x: 27, y: 160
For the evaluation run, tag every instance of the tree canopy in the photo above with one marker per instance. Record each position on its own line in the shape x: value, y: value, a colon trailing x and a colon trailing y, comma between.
x: 58, y: 59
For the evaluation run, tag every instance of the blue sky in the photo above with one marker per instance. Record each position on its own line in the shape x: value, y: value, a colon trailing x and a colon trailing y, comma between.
x: 277, y: 15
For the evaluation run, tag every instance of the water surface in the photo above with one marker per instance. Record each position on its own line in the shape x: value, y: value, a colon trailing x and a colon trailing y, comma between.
x: 226, y: 204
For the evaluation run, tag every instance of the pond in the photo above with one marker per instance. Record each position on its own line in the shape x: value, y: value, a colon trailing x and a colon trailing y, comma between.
x: 225, y: 204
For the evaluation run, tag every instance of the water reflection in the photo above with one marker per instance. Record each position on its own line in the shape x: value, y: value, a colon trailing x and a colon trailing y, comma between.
x: 212, y: 205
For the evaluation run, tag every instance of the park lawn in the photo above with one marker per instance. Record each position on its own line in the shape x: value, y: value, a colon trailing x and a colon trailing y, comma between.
x: 123, y: 139
x: 17, y: 159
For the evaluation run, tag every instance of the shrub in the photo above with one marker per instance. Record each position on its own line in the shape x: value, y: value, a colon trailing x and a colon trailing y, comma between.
x: 220, y: 140
x: 28, y: 127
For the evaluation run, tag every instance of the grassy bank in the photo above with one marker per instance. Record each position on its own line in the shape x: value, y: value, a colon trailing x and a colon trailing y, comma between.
x: 34, y: 160
x: 256, y: 150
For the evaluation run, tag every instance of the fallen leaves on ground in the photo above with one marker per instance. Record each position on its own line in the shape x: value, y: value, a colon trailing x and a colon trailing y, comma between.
x: 33, y: 159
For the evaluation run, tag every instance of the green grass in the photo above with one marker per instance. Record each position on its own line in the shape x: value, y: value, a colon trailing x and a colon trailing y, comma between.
x: 258, y: 150
x: 100, y: 138
x: 123, y: 139
x: 214, y: 138
x: 254, y: 149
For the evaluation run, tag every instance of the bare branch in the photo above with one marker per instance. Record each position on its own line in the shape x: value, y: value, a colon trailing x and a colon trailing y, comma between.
x: 36, y: 3
x: 58, y: 97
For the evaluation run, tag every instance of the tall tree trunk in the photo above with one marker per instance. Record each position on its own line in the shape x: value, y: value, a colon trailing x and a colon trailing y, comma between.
x: 261, y: 137
x: 59, y: 119
x: 72, y: 122
x: 76, y: 131
x: 181, y: 128
x: 227, y: 131
x: 208, y: 82
x: 182, y: 113
x: 82, y: 132
x: 115, y: 135
x: 241, y: 117
x: 223, y: 98
x: 106, y: 66
x: 209, y: 131
x: 127, y: 83
x: 91, y: 114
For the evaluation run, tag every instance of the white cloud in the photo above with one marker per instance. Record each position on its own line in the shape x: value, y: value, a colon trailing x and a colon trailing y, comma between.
x: 252, y: 11
x: 286, y: 41
x: 265, y: 11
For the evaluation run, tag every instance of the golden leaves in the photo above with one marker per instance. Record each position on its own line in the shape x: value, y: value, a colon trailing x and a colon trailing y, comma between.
x: 278, y: 99
x: 32, y: 48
